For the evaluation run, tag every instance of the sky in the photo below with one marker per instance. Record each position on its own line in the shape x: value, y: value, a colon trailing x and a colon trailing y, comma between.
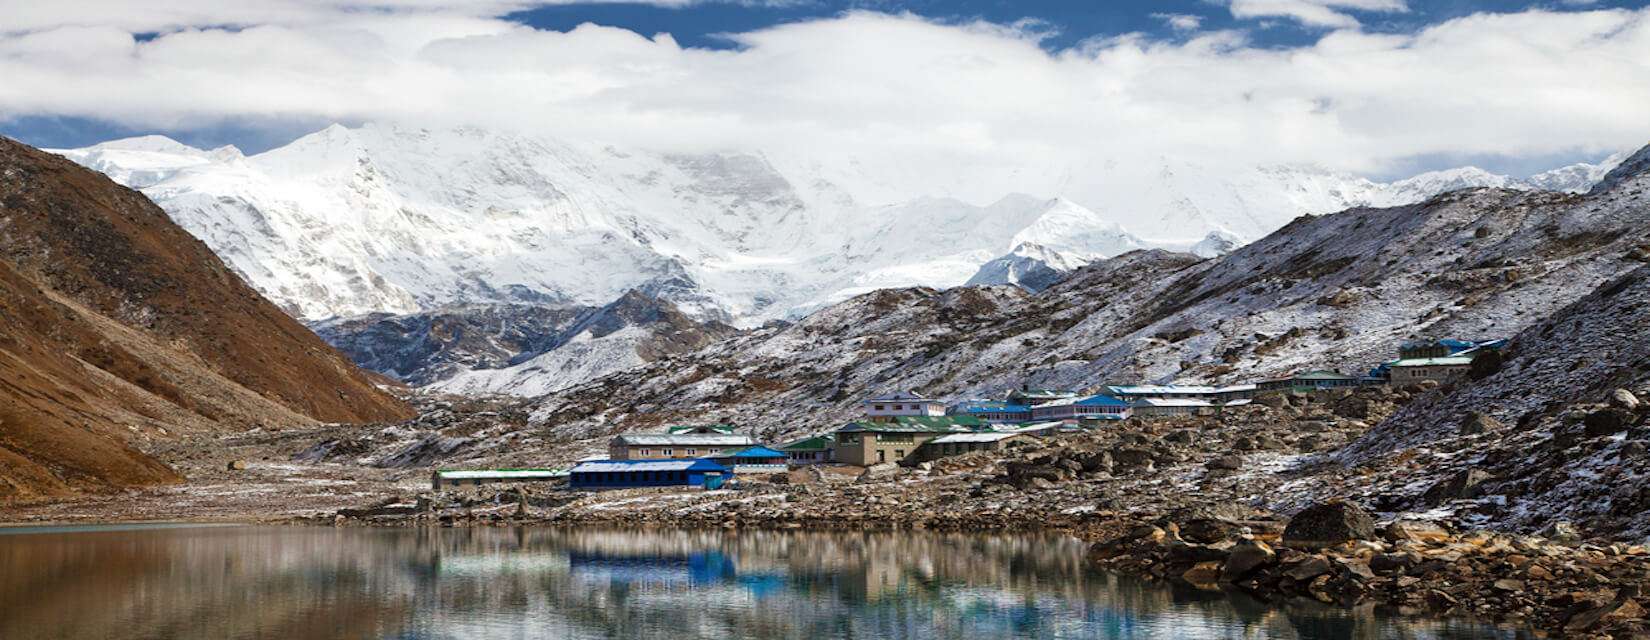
x: 1381, y: 88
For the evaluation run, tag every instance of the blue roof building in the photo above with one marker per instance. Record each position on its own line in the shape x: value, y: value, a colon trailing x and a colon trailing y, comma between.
x: 630, y: 474
x: 994, y: 411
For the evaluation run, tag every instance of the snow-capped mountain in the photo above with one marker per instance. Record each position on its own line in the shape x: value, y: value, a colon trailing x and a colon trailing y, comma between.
x: 388, y: 219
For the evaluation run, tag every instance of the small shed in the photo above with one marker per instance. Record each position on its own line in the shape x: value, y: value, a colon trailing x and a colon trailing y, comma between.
x: 447, y: 478
x: 630, y: 474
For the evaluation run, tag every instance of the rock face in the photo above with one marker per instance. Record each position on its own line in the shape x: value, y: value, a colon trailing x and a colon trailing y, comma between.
x: 1329, y: 524
x: 121, y: 328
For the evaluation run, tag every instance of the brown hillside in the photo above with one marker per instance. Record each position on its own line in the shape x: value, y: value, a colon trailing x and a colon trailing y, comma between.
x: 118, y: 327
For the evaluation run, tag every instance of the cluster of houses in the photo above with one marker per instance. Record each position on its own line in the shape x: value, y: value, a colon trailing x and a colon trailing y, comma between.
x: 909, y: 428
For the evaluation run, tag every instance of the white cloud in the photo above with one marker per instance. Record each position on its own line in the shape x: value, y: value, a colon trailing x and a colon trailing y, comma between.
x: 1180, y: 21
x: 1317, y: 13
x: 973, y: 110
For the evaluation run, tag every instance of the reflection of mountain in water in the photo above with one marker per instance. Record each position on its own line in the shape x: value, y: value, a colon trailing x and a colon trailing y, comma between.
x: 448, y: 583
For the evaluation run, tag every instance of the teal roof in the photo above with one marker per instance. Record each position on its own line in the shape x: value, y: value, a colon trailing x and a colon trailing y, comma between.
x: 1431, y: 362
x: 933, y: 425
x: 816, y: 443
x: 1322, y: 374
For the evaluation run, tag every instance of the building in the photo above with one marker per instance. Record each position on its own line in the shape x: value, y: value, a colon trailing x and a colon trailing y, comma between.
x: 1033, y: 397
x: 630, y: 474
x: 1183, y: 391
x: 701, y: 428
x: 867, y: 443
x: 1309, y: 381
x: 1160, y: 407
x: 757, y: 459
x: 449, y: 478
x: 1413, y: 370
x: 960, y: 443
x: 813, y: 450
x: 1075, y: 410
x: 904, y: 403
x: 652, y: 446
x: 1430, y: 348
x: 992, y: 411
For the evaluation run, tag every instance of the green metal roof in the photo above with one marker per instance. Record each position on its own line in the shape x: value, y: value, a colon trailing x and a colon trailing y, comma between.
x: 1322, y: 374
x: 921, y: 424
x: 816, y: 443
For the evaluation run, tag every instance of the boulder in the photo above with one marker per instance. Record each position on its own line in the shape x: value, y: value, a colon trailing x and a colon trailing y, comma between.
x: 1478, y: 423
x: 1246, y: 557
x: 1327, y: 524
x: 1561, y: 532
x: 1415, y: 531
x: 1232, y: 462
x: 1462, y: 485
x: 1133, y: 458
x: 1273, y: 400
x: 1608, y: 421
x: 1208, y: 530
x: 237, y: 465
x: 1624, y: 399
x: 878, y: 473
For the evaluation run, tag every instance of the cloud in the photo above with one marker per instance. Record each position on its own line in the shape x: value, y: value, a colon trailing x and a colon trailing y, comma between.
x: 1180, y: 21
x: 919, y: 107
x: 1316, y: 13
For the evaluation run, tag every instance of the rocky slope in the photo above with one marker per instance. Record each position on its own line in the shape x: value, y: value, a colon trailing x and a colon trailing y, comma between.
x: 1327, y: 291
x: 632, y: 331
x: 431, y: 346
x: 123, y: 329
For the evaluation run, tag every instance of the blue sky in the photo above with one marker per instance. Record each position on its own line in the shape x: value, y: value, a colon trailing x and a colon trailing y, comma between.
x: 258, y: 75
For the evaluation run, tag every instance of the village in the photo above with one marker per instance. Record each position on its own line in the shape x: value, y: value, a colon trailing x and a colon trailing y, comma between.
x: 907, y: 428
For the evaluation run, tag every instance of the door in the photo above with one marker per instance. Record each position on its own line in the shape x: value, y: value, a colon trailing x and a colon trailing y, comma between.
x: 882, y: 456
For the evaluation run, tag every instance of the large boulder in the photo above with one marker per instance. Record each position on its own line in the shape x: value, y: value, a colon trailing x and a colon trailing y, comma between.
x: 1478, y: 423
x: 1624, y: 399
x: 1461, y: 486
x: 878, y: 473
x: 1608, y: 421
x: 1328, y: 524
x: 1246, y: 557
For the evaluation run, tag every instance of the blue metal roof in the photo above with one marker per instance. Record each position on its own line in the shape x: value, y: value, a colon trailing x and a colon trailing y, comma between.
x: 1101, y: 401
x: 752, y: 452
x: 669, y: 464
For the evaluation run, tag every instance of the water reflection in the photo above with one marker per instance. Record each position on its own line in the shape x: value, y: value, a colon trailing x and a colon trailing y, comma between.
x: 552, y: 583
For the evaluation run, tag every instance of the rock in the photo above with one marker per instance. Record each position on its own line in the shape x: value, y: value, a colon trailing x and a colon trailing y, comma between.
x: 1203, y: 573
x: 1232, y: 462
x: 877, y: 473
x: 1609, y: 421
x: 1311, y: 567
x: 1479, y: 423
x: 1246, y: 557
x: 237, y: 465
x: 1181, y: 436
x: 1415, y: 531
x: 1561, y: 532
x: 1273, y: 400
x: 1097, y: 461
x: 1461, y: 486
x: 1208, y: 530
x: 1624, y: 399
x: 1135, y: 459
x: 1509, y: 584
x: 1329, y: 524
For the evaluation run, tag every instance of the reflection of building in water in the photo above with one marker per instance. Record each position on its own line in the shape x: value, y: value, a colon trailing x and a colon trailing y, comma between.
x: 697, y: 568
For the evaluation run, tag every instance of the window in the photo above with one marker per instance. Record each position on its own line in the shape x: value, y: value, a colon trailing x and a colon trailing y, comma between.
x: 667, y: 453
x: 692, y: 452
x: 646, y: 452
x: 877, y: 407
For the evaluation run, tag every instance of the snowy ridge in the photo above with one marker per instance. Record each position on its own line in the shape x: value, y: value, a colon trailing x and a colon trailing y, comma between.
x: 388, y: 219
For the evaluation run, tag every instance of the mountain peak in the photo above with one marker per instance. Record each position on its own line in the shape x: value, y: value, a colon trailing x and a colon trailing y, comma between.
x: 152, y: 143
x: 1634, y: 165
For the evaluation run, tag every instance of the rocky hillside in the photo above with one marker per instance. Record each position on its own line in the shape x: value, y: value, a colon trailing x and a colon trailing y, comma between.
x: 632, y: 331
x: 430, y: 346
x: 1559, y: 432
x: 1337, y: 291
x: 122, y: 329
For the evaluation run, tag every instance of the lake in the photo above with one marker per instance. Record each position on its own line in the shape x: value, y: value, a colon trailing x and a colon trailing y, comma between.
x: 298, y: 582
